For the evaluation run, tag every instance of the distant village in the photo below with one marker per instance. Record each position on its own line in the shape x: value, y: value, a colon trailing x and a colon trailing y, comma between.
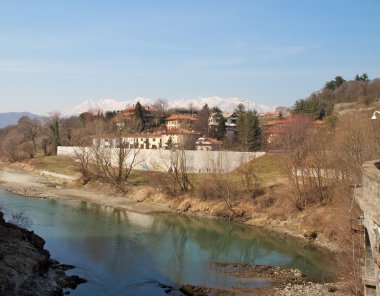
x: 208, y: 129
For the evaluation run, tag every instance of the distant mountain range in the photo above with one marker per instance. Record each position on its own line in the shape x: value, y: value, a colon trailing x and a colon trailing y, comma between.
x: 226, y: 104
x: 11, y: 118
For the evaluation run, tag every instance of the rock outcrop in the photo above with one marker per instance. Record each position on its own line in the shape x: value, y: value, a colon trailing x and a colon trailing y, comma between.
x: 26, y: 267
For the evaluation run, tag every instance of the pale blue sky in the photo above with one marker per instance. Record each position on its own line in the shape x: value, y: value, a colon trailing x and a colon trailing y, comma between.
x: 56, y: 54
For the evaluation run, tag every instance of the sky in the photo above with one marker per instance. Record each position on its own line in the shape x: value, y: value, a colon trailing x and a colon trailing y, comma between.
x: 56, y: 54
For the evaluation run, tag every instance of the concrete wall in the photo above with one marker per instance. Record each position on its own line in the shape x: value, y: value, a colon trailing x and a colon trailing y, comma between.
x: 160, y: 160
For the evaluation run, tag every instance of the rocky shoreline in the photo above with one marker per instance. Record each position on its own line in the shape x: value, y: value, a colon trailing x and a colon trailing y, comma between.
x: 26, y: 267
x: 30, y: 192
x: 283, y: 282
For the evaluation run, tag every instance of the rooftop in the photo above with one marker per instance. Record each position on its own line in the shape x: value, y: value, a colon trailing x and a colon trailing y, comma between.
x: 180, y: 117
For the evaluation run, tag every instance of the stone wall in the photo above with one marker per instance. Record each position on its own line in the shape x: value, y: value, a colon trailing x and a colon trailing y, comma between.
x: 161, y: 160
x: 368, y: 198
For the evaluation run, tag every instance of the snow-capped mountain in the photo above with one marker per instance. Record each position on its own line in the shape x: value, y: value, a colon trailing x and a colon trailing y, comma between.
x: 225, y: 104
x: 105, y: 105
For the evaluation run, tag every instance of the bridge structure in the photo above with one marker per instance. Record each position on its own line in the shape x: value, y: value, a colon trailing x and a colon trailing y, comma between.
x: 368, y: 199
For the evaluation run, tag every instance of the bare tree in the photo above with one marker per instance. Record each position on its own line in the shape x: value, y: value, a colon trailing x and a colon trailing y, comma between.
x: 192, y: 108
x: 201, y: 125
x: 54, y: 122
x: 70, y: 128
x: 161, y: 107
x: 356, y: 140
x: 306, y: 161
x: 224, y: 185
x: 249, y: 179
x: 111, y: 165
x: 30, y: 128
x: 12, y: 149
x: 178, y: 169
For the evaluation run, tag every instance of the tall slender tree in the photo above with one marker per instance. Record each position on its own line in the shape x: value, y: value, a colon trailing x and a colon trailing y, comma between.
x: 54, y: 118
x: 139, y: 121
x: 202, y: 123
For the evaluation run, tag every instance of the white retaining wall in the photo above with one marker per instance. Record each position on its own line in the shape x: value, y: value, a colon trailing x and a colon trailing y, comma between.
x: 160, y: 160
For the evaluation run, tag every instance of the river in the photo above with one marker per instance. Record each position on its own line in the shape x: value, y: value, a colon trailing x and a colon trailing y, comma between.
x: 126, y: 253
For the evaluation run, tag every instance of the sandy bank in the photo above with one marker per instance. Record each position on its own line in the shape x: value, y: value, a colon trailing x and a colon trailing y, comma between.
x: 29, y: 184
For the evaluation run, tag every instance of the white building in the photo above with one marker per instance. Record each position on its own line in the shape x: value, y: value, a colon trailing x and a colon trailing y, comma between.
x: 172, y: 138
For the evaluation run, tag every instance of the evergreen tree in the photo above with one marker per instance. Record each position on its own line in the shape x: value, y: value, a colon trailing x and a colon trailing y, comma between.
x: 248, y: 128
x: 54, y: 128
x: 334, y: 84
x: 254, y: 130
x: 363, y: 77
x: 310, y: 106
x: 139, y: 121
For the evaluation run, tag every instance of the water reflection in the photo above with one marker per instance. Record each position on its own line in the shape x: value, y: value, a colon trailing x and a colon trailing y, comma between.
x: 116, y: 250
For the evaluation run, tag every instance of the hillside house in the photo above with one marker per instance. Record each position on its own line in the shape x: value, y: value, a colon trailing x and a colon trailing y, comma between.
x: 231, y: 120
x: 128, y: 115
x: 208, y: 144
x: 231, y: 124
x: 215, y: 119
x: 271, y: 130
x: 176, y: 121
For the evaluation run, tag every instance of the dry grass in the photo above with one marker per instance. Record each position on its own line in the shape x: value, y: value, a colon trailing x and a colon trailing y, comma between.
x: 55, y: 164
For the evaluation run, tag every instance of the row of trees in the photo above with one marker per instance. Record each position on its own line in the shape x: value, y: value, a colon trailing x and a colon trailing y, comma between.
x: 29, y: 136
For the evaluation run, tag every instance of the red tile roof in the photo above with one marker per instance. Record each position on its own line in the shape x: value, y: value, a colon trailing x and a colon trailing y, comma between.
x: 180, y: 117
x: 276, y: 122
x: 212, y: 140
x: 133, y: 108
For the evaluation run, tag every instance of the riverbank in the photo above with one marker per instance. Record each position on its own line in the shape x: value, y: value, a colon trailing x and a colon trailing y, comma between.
x: 141, y: 199
x: 26, y: 267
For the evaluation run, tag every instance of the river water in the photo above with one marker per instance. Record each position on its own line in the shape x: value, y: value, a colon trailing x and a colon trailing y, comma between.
x: 125, y: 253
